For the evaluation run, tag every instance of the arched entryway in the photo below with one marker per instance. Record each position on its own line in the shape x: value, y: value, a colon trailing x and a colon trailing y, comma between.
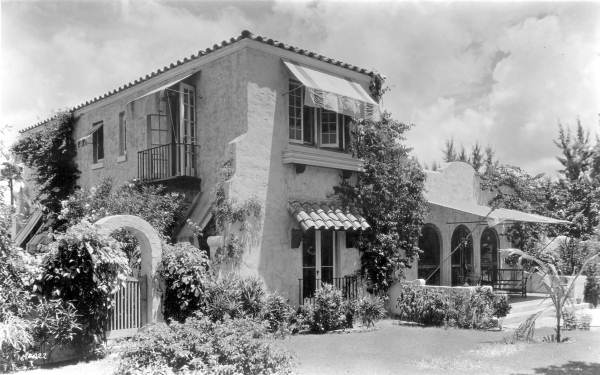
x: 149, y: 288
x: 429, y: 259
x: 462, y: 257
x: 489, y: 256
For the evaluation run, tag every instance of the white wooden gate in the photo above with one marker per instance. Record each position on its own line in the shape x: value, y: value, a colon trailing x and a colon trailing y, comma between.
x: 128, y: 314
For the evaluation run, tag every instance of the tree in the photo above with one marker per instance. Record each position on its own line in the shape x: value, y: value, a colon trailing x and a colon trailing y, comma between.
x: 577, y: 153
x: 476, y: 157
x: 557, y: 291
x: 11, y: 172
x: 449, y: 151
x: 389, y: 194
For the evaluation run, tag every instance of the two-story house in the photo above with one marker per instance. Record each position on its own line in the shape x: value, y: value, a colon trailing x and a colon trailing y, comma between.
x: 280, y: 114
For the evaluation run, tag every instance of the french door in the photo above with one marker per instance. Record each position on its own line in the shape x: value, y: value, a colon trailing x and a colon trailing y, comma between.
x: 187, y: 129
x: 318, y: 260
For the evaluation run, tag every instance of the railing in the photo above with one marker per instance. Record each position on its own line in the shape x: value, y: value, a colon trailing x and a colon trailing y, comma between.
x: 349, y: 285
x: 167, y: 161
x: 512, y: 280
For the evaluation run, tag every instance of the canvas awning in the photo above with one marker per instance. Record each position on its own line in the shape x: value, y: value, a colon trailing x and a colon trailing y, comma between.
x: 499, y: 215
x: 326, y: 216
x: 163, y: 87
x: 337, y: 94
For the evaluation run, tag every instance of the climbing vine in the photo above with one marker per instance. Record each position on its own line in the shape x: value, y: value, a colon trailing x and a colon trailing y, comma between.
x: 232, y: 219
x: 50, y: 153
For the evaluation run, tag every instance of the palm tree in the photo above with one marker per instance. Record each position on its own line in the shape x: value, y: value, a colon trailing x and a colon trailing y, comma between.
x: 11, y: 172
x: 557, y: 290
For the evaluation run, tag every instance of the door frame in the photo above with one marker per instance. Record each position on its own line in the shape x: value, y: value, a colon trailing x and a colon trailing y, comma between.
x: 318, y: 258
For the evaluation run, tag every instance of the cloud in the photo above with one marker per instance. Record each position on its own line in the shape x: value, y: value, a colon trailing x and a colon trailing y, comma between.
x: 500, y: 74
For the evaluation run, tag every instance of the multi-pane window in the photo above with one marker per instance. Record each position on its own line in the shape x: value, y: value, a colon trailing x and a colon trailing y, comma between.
x: 329, y: 128
x: 98, y: 142
x: 188, y: 113
x: 122, y: 134
x: 295, y: 111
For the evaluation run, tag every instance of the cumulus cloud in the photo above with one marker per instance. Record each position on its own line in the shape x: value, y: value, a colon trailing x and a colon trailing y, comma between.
x: 500, y: 74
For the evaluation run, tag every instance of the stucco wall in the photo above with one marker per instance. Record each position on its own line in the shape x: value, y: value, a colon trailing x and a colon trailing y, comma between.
x: 260, y: 172
x: 457, y: 183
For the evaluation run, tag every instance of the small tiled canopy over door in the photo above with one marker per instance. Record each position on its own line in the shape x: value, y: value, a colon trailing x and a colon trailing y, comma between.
x: 321, y: 224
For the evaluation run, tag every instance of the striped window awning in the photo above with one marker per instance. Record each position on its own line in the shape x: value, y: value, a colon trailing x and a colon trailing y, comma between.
x: 315, y: 215
x: 341, y: 95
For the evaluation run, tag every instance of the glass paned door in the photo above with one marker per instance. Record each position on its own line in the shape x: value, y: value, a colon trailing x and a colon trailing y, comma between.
x: 327, y: 246
x: 187, y: 128
x: 318, y: 260
x: 309, y: 265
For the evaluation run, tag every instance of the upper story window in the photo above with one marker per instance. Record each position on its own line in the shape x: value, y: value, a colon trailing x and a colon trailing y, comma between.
x: 332, y: 128
x: 122, y: 134
x: 98, y: 142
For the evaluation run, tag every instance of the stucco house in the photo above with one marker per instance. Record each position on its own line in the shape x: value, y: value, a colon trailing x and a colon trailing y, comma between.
x: 281, y: 117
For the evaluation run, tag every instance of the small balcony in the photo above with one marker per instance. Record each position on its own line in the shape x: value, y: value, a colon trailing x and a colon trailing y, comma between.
x: 168, y: 161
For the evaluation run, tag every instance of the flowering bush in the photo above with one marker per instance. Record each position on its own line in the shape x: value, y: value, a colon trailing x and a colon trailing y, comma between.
x: 85, y: 268
x: 185, y: 270
x: 151, y: 203
x: 200, y: 345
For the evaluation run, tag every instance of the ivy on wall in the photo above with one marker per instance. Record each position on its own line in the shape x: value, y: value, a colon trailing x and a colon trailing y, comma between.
x: 50, y: 153
x: 389, y: 194
x: 232, y: 219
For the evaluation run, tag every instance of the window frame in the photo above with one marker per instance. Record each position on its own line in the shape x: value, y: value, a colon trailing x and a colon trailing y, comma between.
x: 292, y: 91
x: 122, y: 134
x: 329, y: 134
x: 98, y: 142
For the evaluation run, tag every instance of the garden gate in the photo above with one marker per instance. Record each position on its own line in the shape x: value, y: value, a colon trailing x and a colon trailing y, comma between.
x: 127, y: 317
x: 139, y: 302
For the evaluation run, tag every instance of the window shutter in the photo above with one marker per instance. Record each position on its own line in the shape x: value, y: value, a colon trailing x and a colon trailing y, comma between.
x: 309, y: 121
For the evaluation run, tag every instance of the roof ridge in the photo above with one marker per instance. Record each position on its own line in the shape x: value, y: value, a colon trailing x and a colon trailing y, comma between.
x: 245, y: 34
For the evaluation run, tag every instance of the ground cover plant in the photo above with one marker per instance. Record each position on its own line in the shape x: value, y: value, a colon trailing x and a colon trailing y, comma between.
x: 479, y: 309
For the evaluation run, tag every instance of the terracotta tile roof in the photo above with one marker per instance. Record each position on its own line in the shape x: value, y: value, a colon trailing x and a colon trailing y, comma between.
x: 326, y: 215
x: 244, y: 35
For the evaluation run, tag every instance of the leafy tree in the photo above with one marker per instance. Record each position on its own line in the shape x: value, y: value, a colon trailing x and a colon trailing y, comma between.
x: 390, y: 196
x: 50, y: 152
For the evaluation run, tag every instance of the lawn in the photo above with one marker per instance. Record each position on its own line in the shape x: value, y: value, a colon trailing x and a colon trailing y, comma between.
x: 397, y: 349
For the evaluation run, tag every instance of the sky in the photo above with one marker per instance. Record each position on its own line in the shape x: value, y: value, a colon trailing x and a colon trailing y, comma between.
x: 502, y: 74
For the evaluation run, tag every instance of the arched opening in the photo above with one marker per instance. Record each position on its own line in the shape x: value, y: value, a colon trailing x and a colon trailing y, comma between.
x: 489, y: 256
x: 429, y: 259
x: 148, y: 288
x: 462, y: 257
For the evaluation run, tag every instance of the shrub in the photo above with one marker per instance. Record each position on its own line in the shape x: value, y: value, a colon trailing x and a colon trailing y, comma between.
x: 370, y: 310
x: 223, y: 298
x: 15, y: 342
x: 151, y: 203
x: 327, y: 312
x: 55, y: 323
x: 185, y: 270
x: 421, y: 305
x: 433, y: 307
x: 200, y: 345
x: 252, y: 293
x: 85, y: 268
x: 278, y: 314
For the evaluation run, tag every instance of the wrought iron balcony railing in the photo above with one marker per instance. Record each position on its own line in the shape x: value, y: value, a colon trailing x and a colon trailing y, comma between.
x: 168, y: 161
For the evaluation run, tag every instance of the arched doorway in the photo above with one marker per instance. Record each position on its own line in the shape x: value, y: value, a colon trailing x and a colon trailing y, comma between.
x: 462, y: 256
x: 139, y: 303
x: 489, y: 256
x: 429, y: 259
